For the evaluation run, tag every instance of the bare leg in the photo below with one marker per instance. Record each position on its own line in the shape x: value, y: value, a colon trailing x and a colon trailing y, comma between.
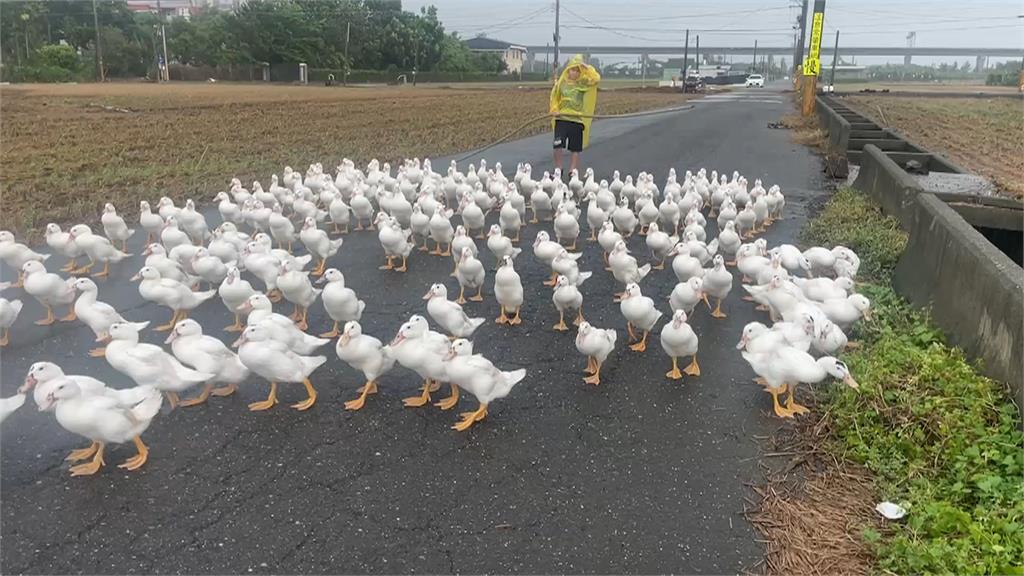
x: 558, y: 157
x: 574, y: 161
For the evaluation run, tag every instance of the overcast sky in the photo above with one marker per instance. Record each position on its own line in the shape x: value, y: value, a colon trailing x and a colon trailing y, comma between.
x: 958, y: 23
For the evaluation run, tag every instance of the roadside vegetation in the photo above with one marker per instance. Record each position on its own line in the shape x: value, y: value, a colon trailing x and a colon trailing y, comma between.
x: 937, y: 437
x: 985, y: 135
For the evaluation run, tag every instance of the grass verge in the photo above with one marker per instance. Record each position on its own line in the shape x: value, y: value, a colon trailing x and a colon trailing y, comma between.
x: 937, y: 437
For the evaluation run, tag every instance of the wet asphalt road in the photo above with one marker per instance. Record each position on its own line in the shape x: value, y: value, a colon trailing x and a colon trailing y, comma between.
x: 638, y: 475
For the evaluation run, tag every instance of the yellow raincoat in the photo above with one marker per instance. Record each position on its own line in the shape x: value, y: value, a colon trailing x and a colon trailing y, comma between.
x: 574, y: 100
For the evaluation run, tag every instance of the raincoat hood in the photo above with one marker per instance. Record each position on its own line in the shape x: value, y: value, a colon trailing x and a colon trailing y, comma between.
x: 576, y: 101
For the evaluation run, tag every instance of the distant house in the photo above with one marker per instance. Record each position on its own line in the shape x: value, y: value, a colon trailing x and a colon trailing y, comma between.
x: 513, y: 54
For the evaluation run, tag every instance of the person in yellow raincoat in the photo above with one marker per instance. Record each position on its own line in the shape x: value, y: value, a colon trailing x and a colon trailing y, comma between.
x: 573, y: 100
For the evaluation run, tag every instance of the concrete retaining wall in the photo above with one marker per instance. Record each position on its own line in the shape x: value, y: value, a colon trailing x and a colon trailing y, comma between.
x: 976, y: 292
x: 885, y: 181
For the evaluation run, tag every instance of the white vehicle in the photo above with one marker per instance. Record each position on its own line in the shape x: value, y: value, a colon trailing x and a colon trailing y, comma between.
x: 755, y: 80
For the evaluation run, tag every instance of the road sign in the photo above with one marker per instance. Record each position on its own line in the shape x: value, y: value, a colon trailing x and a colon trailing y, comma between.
x: 812, y: 67
x: 818, y: 22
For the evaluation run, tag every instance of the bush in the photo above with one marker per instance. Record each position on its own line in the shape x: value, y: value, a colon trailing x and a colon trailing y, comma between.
x: 58, y: 56
x: 939, y: 437
x: 853, y: 220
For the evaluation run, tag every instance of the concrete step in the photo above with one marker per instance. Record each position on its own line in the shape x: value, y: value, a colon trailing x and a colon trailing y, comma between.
x: 882, y: 143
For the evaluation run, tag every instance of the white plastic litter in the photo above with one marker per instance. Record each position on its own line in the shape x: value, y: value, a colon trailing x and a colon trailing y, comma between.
x: 891, y: 511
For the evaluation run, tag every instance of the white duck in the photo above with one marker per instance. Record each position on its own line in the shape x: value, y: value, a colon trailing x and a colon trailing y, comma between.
x: 845, y: 311
x: 61, y: 242
x: 366, y: 354
x: 596, y: 344
x: 281, y: 228
x: 150, y: 221
x: 624, y: 219
x: 170, y: 293
x: 209, y: 267
x: 624, y: 267
x: 11, y: 404
x: 233, y: 291
x: 281, y: 328
x: 49, y: 289
x: 104, y: 420
x: 460, y: 241
x: 678, y: 340
x: 276, y: 362
x: 508, y: 291
x: 340, y: 301
x: 607, y: 238
x: 156, y: 257
x: 596, y: 217
x: 471, y: 274
x: 566, y: 297
x: 686, y: 295
x: 565, y: 264
x: 567, y: 228
x: 717, y: 283
x: 545, y: 250
x: 193, y: 222
x: 97, y: 248
x: 172, y: 235
x: 206, y: 354
x: 501, y: 245
x: 509, y: 219
x: 640, y: 313
x: 450, y: 315
x: 822, y: 289
x: 478, y: 376
x: 9, y: 310
x: 442, y: 232
x: 297, y: 289
x: 114, y: 226
x: 660, y: 244
x: 422, y: 350
x: 98, y: 316
x: 757, y: 338
x: 684, y: 265
x: 229, y: 211
x: 784, y: 368
x: 472, y: 216
x: 729, y: 242
x: 148, y: 364
x: 16, y: 254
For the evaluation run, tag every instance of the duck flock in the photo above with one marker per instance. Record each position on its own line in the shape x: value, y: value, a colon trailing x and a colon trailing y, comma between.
x: 270, y: 237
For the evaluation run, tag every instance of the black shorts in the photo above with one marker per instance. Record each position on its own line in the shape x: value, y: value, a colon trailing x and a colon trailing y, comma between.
x: 569, y: 134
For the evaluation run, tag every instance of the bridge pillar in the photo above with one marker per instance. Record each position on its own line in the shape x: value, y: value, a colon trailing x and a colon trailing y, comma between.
x: 906, y: 60
x: 531, y: 60
x: 980, y: 63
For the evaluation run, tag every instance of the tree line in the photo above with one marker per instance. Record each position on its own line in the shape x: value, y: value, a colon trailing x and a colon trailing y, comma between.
x: 53, y: 40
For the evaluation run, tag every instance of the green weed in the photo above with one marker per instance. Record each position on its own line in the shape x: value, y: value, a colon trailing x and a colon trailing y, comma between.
x: 940, y: 438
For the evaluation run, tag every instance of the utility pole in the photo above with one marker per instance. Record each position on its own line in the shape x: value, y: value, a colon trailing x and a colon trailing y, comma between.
x: 166, y: 72
x: 556, y: 39
x: 99, y: 50
x: 348, y: 63
x: 812, y: 65
x: 835, y: 60
x: 686, y: 56
x: 798, y: 61
x: 696, y: 55
x: 753, y: 65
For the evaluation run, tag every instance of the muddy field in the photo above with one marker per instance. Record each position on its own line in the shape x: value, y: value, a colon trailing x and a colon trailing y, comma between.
x: 983, y: 135
x: 67, y: 149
